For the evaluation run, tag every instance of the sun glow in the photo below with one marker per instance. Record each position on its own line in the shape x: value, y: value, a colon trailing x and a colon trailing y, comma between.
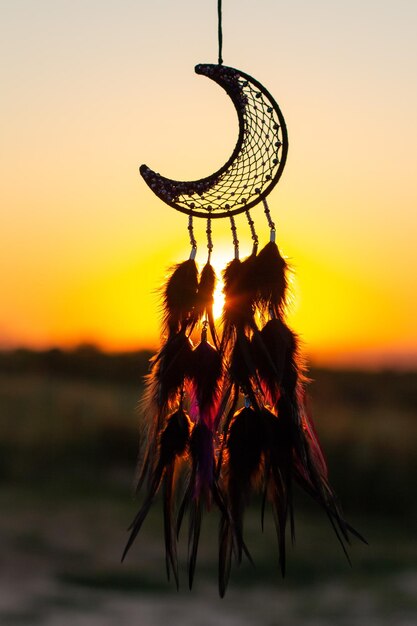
x: 218, y: 300
x: 219, y: 262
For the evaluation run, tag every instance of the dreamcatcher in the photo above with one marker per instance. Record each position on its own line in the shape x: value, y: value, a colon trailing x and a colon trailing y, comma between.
x: 227, y: 417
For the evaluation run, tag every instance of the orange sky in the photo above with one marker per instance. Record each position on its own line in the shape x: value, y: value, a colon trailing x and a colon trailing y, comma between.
x: 90, y: 90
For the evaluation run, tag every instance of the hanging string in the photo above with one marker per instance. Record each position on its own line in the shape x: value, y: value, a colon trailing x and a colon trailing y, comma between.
x: 271, y: 224
x: 234, y: 235
x: 193, y: 240
x: 253, y: 232
x: 220, y: 32
x: 209, y: 239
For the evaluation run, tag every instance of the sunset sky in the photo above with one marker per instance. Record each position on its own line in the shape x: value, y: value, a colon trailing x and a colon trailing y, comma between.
x: 90, y: 90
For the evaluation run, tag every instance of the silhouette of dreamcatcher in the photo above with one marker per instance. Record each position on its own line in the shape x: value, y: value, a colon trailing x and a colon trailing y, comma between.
x: 227, y: 418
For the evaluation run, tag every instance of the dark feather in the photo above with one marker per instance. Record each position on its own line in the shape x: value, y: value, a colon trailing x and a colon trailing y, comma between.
x: 199, y: 489
x: 180, y: 296
x: 271, y: 279
x: 205, y: 299
x: 310, y: 472
x: 279, y: 467
x: 174, y: 437
x: 228, y: 406
x: 172, y: 444
x: 242, y: 365
x: 202, y: 455
x: 245, y: 444
x: 170, y: 367
x: 136, y: 525
x: 165, y: 383
x: 341, y: 528
x: 239, y: 324
x: 240, y: 291
x: 248, y: 286
x: 205, y: 376
x: 231, y: 309
x: 275, y: 353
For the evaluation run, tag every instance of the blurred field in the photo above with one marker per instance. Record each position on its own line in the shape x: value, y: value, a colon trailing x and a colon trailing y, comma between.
x: 68, y: 444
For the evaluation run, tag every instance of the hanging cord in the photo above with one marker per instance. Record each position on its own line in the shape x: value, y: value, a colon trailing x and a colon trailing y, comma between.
x: 193, y: 240
x: 219, y: 30
x: 271, y: 224
x: 252, y: 232
x: 234, y: 234
x: 209, y: 239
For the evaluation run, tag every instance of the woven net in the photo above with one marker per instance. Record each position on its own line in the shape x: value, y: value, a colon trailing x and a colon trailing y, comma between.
x: 255, y: 165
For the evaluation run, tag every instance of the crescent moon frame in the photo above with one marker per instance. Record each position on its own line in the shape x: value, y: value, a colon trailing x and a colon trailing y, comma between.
x: 257, y: 161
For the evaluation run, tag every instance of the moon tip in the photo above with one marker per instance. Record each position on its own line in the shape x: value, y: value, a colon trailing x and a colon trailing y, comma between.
x: 203, y: 68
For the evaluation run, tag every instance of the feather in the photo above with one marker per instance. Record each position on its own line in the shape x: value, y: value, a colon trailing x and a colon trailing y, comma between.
x: 169, y: 371
x: 202, y: 454
x: 174, y: 437
x: 228, y: 407
x: 245, y: 444
x: 180, y: 296
x: 240, y: 291
x: 308, y: 465
x: 136, y: 525
x: 239, y: 323
x: 312, y: 474
x: 201, y: 486
x: 242, y: 366
x: 231, y: 309
x: 205, y: 299
x: 271, y: 279
x: 170, y: 367
x: 278, y: 478
x: 205, y: 376
x: 326, y: 498
x: 275, y: 352
x: 172, y: 444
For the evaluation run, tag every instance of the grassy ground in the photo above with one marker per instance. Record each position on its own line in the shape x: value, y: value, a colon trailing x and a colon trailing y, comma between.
x: 67, y: 455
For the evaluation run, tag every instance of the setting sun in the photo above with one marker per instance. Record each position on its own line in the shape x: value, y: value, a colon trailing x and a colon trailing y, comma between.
x: 219, y: 262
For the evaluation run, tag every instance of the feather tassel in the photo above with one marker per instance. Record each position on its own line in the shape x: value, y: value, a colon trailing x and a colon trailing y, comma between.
x: 180, y: 297
x: 265, y: 446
